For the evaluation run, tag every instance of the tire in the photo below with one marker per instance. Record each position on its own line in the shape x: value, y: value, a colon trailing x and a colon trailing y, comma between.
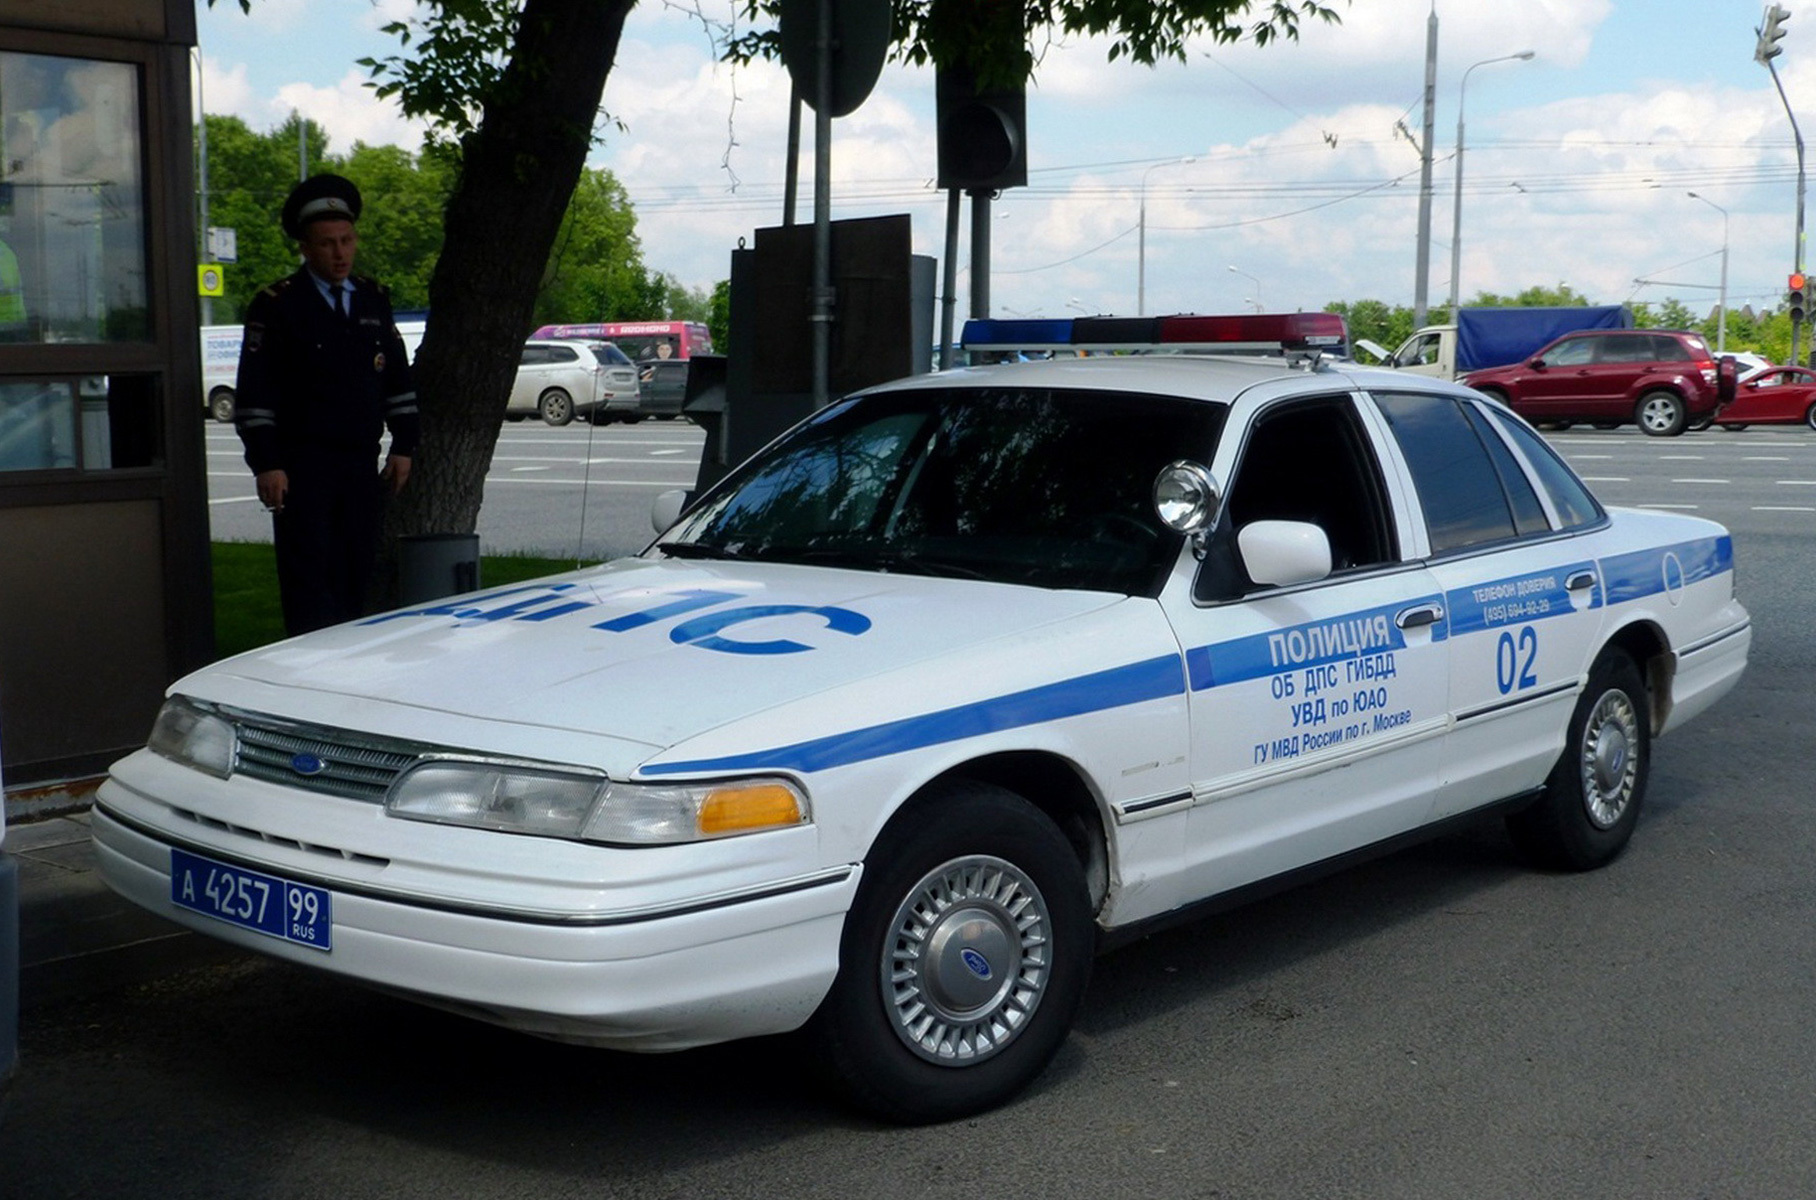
x: 1700, y: 424
x: 1737, y: 426
x: 221, y: 404
x: 963, y: 960
x: 1809, y: 416
x: 1661, y: 414
x: 555, y: 406
x: 1592, y: 799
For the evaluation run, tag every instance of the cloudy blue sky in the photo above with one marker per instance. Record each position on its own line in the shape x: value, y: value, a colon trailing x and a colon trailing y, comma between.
x: 1578, y: 162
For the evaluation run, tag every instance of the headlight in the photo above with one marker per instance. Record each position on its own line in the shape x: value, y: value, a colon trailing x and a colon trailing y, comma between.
x: 553, y: 803
x: 189, y: 734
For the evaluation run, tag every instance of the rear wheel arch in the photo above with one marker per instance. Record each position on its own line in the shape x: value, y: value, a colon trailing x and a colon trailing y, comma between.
x: 1645, y: 643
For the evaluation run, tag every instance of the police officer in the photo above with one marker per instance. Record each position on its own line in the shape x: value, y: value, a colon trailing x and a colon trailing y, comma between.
x: 322, y: 374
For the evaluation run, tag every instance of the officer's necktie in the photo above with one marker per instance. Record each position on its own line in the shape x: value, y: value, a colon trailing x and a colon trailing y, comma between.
x: 340, y: 302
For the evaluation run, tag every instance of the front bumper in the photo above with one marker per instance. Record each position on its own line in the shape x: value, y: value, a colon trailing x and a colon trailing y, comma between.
x: 657, y: 975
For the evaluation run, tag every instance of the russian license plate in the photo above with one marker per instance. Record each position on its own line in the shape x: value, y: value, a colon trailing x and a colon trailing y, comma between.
x: 292, y: 912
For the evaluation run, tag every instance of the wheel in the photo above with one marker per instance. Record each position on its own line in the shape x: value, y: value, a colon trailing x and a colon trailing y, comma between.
x: 556, y: 407
x: 963, y: 960
x: 632, y: 418
x: 1661, y: 414
x: 1737, y: 426
x: 220, y: 404
x: 1592, y: 799
x: 1700, y: 424
x: 1809, y: 416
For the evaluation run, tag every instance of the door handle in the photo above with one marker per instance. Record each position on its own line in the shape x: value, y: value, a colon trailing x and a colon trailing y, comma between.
x: 1579, y: 580
x: 1419, y: 616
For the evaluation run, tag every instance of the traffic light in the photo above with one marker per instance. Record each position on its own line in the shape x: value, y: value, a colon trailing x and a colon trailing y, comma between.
x: 1771, y: 33
x: 1798, y: 297
x: 983, y: 140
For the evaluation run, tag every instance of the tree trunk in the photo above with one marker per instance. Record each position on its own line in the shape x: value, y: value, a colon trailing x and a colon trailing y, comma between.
x: 518, y: 172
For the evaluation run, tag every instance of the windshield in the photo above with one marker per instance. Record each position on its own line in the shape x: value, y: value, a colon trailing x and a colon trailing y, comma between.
x: 1033, y: 486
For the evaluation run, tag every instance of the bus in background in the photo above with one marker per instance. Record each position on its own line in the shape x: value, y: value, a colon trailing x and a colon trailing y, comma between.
x: 642, y: 340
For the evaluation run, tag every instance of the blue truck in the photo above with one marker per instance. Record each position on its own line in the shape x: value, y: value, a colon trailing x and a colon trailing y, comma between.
x: 1494, y: 337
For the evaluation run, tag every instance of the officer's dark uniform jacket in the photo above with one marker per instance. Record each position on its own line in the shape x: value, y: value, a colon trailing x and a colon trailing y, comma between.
x: 317, y: 388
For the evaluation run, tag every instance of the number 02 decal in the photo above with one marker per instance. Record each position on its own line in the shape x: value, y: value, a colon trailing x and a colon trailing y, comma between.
x: 1513, y: 661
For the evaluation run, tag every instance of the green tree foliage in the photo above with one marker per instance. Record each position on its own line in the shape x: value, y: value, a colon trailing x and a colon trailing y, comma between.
x: 596, y: 271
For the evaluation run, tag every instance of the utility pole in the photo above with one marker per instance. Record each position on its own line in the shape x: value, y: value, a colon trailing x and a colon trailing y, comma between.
x: 1771, y: 32
x: 1421, y: 279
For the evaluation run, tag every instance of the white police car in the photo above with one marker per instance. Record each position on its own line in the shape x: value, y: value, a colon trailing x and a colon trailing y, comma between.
x: 961, y: 679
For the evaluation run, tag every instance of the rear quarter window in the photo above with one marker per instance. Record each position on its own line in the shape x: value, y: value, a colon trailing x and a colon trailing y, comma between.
x: 1575, y: 506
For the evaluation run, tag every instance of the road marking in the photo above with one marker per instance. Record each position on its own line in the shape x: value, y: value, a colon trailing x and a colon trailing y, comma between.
x: 1797, y: 483
x: 529, y: 468
x: 1606, y: 479
x: 1685, y: 507
x: 1716, y: 482
x: 1783, y: 508
x: 1766, y: 458
x: 1681, y: 457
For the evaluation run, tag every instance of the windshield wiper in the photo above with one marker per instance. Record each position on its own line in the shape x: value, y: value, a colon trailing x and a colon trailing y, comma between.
x: 879, y: 560
x: 697, y: 550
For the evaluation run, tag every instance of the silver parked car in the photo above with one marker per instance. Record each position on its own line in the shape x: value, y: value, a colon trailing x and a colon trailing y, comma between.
x: 558, y: 381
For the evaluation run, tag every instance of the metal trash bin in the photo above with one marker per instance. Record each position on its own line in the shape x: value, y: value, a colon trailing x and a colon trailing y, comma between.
x: 433, y: 565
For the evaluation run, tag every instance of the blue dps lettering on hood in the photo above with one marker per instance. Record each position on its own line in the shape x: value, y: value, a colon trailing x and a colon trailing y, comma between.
x: 961, y: 681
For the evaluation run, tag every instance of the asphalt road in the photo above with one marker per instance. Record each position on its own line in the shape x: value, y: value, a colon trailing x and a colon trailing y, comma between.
x: 1442, y: 1023
x: 578, y: 491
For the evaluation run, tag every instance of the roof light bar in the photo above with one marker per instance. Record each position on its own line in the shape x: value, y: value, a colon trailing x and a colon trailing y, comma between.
x: 1248, y: 333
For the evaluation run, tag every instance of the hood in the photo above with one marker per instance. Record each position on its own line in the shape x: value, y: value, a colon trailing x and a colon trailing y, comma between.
x: 645, y: 651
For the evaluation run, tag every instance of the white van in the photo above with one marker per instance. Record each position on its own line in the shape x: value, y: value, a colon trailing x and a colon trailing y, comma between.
x: 220, y: 368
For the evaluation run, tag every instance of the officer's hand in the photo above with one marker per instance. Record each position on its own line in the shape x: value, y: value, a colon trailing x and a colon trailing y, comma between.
x: 397, y: 469
x: 274, y: 487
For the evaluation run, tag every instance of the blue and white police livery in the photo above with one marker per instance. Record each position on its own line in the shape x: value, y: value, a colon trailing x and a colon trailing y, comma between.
x: 964, y: 678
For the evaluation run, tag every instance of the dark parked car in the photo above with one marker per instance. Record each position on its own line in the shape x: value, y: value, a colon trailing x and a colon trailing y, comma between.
x: 662, y: 385
x: 1664, y: 381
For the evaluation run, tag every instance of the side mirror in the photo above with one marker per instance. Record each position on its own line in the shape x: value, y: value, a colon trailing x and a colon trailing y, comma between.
x: 1282, y: 553
x: 666, y: 508
x: 1537, y: 364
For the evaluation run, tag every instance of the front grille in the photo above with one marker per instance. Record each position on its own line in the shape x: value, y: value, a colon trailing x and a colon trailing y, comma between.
x: 353, y: 765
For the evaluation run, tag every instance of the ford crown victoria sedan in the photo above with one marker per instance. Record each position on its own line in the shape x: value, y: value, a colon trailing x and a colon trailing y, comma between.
x: 964, y: 679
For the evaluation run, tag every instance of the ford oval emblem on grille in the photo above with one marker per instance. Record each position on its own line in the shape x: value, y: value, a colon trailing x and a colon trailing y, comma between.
x: 308, y: 764
x: 980, y: 966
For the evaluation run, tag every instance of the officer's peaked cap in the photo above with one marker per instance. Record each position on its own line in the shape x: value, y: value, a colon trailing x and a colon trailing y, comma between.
x: 320, y: 197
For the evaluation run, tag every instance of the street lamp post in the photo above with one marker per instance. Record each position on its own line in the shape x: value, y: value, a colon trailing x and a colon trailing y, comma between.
x: 1456, y: 217
x: 1259, y: 307
x: 1721, y: 305
x: 1141, y: 240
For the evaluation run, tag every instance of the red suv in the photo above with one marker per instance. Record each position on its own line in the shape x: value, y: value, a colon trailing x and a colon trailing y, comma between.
x: 1664, y: 381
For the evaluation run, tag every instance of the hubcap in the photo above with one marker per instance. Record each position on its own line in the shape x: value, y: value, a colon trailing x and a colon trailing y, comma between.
x: 1659, y: 414
x: 967, y: 960
x: 1610, y: 766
